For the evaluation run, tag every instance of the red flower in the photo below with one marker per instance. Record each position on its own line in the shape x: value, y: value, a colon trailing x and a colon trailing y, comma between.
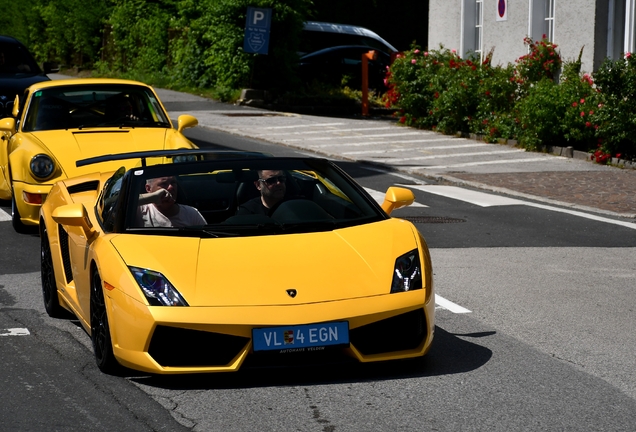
x: 588, y: 124
x: 403, y: 119
x: 574, y: 104
x: 618, y: 155
x: 582, y: 101
x: 582, y: 113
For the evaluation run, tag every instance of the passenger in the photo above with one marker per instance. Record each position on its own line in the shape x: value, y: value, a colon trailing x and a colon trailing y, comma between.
x: 272, y: 186
x: 158, y: 207
x: 120, y: 108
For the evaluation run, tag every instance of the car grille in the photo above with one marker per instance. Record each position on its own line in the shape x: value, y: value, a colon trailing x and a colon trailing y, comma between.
x: 171, y: 346
x: 66, y: 256
x: 398, y: 333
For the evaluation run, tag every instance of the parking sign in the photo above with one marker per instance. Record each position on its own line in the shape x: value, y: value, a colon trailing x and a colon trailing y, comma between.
x: 257, y: 24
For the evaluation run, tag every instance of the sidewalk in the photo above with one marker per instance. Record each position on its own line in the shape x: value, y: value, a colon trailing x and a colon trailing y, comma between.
x: 542, y: 177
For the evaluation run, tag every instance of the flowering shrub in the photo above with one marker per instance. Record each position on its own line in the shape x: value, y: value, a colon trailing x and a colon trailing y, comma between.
x: 539, y: 101
x: 542, y: 61
x: 494, y: 117
x: 615, y: 114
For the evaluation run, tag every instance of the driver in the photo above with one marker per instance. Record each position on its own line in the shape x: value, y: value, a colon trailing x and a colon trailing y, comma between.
x: 158, y: 208
x: 272, y: 186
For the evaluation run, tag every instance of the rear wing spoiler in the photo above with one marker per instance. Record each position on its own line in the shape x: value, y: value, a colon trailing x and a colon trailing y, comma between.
x: 181, y: 155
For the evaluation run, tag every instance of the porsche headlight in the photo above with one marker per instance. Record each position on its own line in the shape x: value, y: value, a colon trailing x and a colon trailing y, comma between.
x: 42, y: 166
x: 157, y: 289
x: 407, y: 274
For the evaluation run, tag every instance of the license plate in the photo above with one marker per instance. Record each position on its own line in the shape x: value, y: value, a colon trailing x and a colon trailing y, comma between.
x: 300, y: 337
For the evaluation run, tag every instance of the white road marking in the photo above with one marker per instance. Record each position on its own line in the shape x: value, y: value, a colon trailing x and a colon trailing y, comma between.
x: 449, y: 305
x: 379, y: 197
x: 483, y: 199
x: 4, y: 216
x: 14, y: 332
x: 304, y: 125
x: 492, y: 162
x: 470, y: 196
x: 451, y: 155
x: 415, y: 149
x: 356, y: 136
x: 336, y: 130
x: 369, y: 143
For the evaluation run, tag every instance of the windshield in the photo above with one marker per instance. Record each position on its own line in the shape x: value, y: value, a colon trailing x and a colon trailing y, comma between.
x: 268, y: 196
x: 94, y: 105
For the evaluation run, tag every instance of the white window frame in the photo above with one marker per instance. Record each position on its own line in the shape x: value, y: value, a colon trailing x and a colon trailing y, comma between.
x: 472, y: 27
x: 479, y: 28
x: 629, y: 42
x: 541, y: 19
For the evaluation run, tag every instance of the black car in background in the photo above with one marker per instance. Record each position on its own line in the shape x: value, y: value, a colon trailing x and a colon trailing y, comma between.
x: 18, y: 70
x: 340, y: 65
x: 332, y: 53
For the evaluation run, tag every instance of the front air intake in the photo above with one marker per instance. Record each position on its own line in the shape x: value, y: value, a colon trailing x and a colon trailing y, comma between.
x: 177, y: 347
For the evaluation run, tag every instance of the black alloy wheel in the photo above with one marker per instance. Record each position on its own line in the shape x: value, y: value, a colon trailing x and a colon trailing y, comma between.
x: 100, y: 331
x: 49, y: 286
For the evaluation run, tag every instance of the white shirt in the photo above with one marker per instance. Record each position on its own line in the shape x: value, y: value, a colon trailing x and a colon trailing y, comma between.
x: 186, y: 216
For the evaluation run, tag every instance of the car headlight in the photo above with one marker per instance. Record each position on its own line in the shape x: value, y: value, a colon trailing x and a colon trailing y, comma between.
x: 157, y: 289
x: 407, y: 274
x: 42, y: 166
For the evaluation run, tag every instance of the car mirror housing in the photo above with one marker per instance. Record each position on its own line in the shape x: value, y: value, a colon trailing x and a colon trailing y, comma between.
x: 16, y: 106
x: 397, y: 197
x: 186, y: 121
x: 75, y: 215
x: 7, y: 125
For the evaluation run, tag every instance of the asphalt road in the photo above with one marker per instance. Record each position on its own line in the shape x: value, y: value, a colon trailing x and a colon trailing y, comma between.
x: 534, y: 332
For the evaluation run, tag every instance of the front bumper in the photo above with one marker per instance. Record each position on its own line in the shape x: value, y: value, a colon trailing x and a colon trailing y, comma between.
x: 171, y: 340
x: 29, y: 199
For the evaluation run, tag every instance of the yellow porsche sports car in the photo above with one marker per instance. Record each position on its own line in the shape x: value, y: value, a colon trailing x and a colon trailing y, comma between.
x: 182, y: 268
x: 59, y: 122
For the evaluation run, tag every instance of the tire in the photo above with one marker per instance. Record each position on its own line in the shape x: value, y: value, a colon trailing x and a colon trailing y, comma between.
x: 18, y: 226
x: 49, y: 285
x: 100, y: 331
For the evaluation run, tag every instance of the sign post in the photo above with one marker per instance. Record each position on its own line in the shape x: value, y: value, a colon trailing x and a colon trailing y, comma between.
x: 257, y: 25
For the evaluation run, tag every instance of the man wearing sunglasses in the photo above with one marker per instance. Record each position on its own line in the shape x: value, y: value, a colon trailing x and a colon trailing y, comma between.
x: 272, y: 186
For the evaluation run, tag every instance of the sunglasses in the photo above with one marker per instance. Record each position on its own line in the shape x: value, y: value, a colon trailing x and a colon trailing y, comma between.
x: 273, y: 180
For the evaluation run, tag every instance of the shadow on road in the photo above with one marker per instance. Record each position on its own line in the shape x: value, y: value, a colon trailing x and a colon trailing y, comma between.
x: 448, y: 355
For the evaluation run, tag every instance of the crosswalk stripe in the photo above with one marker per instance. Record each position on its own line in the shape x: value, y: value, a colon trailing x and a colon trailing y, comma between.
x: 4, y: 216
x: 340, y: 144
x: 415, y: 149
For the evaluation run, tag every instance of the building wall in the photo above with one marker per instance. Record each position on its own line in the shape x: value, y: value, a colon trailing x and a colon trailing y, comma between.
x: 577, y: 23
x: 444, y: 23
x: 505, y: 37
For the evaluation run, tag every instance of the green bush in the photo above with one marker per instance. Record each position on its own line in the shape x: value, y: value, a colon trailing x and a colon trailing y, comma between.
x: 540, y: 101
x: 616, y: 114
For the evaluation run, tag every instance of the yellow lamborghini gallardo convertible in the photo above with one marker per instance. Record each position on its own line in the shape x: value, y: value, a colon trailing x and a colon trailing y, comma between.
x: 55, y: 123
x: 233, y: 260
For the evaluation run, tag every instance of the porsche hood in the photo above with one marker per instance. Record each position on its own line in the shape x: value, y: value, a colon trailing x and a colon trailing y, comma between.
x: 69, y: 146
x: 325, y: 266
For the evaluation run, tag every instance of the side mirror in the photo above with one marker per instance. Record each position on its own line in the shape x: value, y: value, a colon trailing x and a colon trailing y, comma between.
x: 8, y: 125
x: 186, y: 121
x: 75, y: 215
x: 397, y: 197
x: 50, y: 67
x: 16, y: 106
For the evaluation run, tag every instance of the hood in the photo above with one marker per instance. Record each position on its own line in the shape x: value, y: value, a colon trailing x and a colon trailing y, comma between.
x: 69, y: 146
x: 257, y: 271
